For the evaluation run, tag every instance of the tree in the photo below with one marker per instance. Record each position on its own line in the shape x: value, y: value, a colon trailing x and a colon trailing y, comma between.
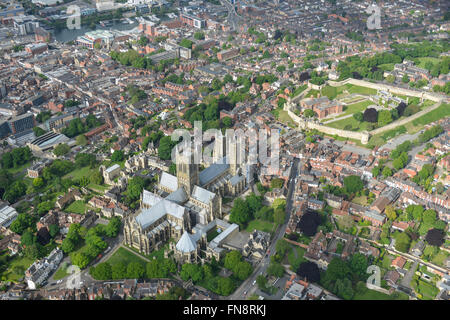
x: 22, y: 222
x: 275, y: 269
x: 376, y: 171
x: 96, y: 178
x: 402, y: 241
x: 35, y: 251
x: 38, y: 182
x: 67, y: 245
x: 415, y: 212
x: 27, y: 239
x: 254, y: 202
x: 353, y: 184
x: 119, y: 270
x: 186, y: 43
x: 240, y: 213
x: 309, y: 113
x: 81, y: 140
x: 232, y: 259
x: 61, y: 149
x: 279, y: 216
x: 390, y: 212
x: 277, y: 183
x: 165, y: 147
x: 117, y: 156
x: 358, y: 265
x: 387, y: 172
x: 38, y: 131
x: 85, y: 159
x: 435, y: 237
x: 135, y: 270
x: 227, y: 122
x: 282, y: 247
x: 384, y: 117
x: 343, y: 288
x: 225, y: 286
x: 199, y: 35
x: 309, y: 222
x: 79, y: 259
x: 309, y: 271
x: 358, y: 116
x: 370, y: 115
x: 15, y: 191
x: 405, y: 78
x: 261, y: 281
x: 113, y: 227
x: 337, y: 269
x: 134, y: 188
x: 102, y: 271
x: 243, y: 270
x: 143, y: 41
x: 429, y: 217
x: 53, y: 230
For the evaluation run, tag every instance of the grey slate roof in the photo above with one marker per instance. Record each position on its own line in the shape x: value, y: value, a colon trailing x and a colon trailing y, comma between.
x: 163, y: 207
x: 187, y: 243
x: 202, y: 195
x: 169, y: 181
x: 213, y: 171
x: 179, y: 196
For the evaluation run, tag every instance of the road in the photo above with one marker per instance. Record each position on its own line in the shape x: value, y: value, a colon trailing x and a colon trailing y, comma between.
x: 85, y: 278
x: 233, y: 17
x: 248, y: 285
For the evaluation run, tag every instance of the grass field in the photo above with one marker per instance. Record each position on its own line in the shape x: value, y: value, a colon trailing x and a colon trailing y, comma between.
x: 333, y: 92
x: 79, y: 173
x: 387, y: 66
x: 375, y: 295
x: 356, y: 107
x: 362, y: 200
x: 284, y: 117
x: 212, y: 234
x: 77, y: 207
x: 261, y: 225
x: 14, y: 171
x: 17, y: 267
x: 386, y: 263
x: 98, y: 188
x: 61, y: 273
x: 295, y: 257
x: 125, y: 256
x: 424, y: 60
x: 362, y: 90
x: 440, y: 257
x: 427, y: 290
x: 439, y: 113
x: 342, y: 124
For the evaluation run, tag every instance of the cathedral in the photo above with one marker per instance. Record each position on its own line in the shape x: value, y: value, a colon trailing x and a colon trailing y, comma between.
x: 181, y: 203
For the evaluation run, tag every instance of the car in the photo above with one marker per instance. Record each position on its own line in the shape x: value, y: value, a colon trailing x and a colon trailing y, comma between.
x: 245, y: 292
x: 59, y: 281
x: 254, y: 281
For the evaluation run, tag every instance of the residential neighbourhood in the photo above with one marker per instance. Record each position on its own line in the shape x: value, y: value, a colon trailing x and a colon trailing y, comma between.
x: 224, y: 150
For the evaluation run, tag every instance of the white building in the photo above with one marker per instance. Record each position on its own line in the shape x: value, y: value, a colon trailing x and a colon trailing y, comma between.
x: 38, y: 272
x: 7, y: 215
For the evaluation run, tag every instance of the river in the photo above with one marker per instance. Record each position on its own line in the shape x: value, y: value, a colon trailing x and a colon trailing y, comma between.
x: 69, y: 35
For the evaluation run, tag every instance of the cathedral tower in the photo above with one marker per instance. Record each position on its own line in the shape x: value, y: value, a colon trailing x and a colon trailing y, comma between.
x: 187, y: 171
